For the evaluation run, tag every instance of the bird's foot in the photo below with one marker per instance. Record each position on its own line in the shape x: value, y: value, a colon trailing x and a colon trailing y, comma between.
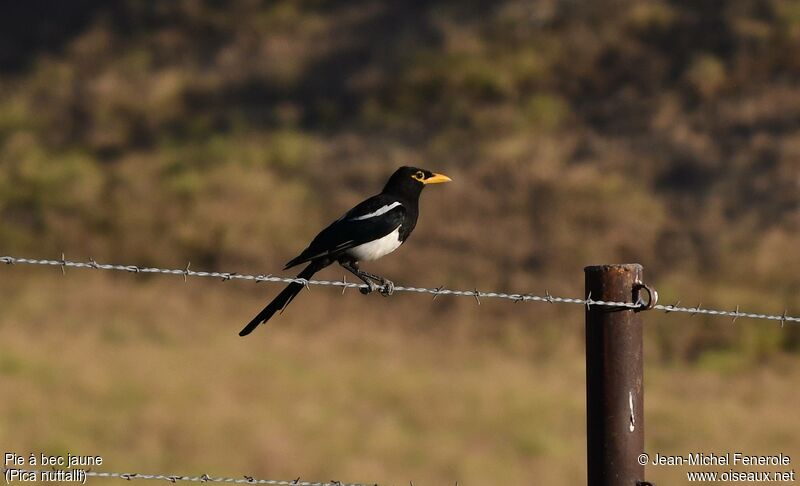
x: 387, y: 288
x: 369, y: 288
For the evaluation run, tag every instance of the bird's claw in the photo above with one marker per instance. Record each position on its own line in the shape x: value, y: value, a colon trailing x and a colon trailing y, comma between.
x: 368, y: 289
x: 387, y: 288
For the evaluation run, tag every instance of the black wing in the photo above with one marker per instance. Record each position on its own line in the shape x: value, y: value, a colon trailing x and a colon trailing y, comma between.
x: 372, y: 219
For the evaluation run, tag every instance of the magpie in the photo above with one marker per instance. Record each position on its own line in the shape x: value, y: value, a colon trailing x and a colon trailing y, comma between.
x: 372, y: 229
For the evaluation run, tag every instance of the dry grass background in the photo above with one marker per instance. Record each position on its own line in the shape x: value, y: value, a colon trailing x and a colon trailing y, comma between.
x: 151, y: 375
x: 227, y: 134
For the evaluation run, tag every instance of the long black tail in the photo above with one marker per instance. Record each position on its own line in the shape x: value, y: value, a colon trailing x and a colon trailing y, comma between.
x: 282, y: 300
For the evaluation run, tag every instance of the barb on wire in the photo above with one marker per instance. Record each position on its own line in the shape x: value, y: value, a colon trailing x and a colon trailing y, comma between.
x: 477, y: 296
x: 735, y: 315
x: 204, y: 478
x: 436, y: 292
x: 668, y: 308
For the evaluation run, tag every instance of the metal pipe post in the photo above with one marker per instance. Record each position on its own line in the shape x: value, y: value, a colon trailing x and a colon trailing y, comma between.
x: 614, y: 389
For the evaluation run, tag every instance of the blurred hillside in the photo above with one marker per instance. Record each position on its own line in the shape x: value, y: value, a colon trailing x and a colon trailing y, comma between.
x: 666, y: 133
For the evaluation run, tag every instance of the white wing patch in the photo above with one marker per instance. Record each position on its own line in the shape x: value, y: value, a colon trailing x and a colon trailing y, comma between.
x: 377, y: 248
x: 378, y: 212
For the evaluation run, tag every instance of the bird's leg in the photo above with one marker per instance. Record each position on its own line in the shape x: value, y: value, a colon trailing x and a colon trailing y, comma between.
x: 352, y: 267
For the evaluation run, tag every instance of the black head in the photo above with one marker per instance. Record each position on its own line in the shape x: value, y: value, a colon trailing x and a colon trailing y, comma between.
x: 409, y: 181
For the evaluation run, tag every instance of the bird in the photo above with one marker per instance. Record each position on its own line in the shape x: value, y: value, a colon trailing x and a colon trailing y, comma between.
x: 372, y: 229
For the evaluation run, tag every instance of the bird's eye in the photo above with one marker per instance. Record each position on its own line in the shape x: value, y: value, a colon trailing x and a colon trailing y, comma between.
x: 420, y: 176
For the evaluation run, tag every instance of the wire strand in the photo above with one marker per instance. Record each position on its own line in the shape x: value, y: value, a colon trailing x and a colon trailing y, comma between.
x: 436, y: 292
x: 204, y: 478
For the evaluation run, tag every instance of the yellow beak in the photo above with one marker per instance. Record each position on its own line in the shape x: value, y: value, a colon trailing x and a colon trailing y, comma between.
x: 437, y: 179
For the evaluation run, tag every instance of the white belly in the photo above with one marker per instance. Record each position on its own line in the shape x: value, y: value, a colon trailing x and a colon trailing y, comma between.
x: 376, y: 249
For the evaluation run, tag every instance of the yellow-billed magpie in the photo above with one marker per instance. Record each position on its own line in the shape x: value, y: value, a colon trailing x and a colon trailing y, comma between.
x: 372, y: 229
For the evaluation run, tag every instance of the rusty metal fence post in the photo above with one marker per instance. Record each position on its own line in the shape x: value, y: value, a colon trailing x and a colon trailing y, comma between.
x: 614, y: 388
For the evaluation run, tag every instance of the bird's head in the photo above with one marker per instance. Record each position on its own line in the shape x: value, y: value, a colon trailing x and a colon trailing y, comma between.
x: 411, y: 180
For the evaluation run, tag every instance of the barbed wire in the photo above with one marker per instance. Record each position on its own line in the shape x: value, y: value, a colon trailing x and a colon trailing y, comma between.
x: 186, y: 272
x: 173, y: 478
x: 344, y: 284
